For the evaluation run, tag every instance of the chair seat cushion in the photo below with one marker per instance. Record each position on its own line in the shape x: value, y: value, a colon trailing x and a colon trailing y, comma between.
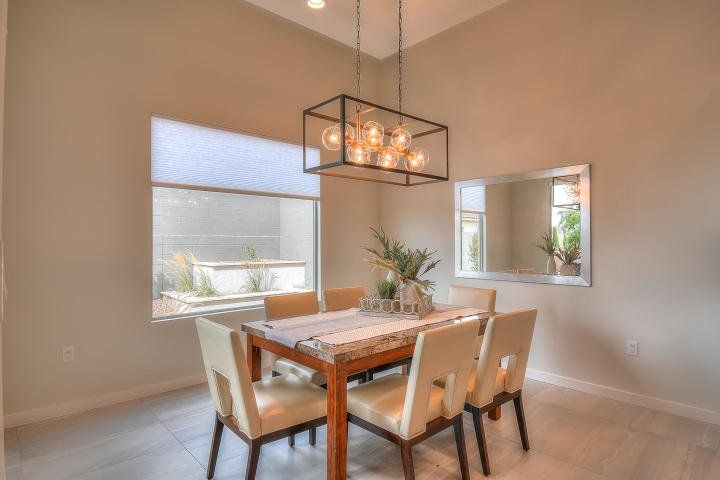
x: 381, y: 401
x: 284, y: 366
x: 499, y: 382
x: 286, y: 401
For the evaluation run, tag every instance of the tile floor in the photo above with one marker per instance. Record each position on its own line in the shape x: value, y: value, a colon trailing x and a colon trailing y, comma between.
x: 573, y: 435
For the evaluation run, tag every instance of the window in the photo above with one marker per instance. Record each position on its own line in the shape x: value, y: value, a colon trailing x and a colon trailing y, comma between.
x: 472, y: 229
x: 565, y: 223
x: 235, y: 219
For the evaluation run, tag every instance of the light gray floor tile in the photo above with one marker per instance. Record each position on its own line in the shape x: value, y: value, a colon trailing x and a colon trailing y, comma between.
x: 573, y: 436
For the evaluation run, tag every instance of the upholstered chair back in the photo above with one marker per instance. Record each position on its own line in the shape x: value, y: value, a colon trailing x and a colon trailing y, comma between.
x: 291, y: 305
x: 228, y: 375
x: 472, y: 297
x: 507, y: 335
x: 342, y: 298
x: 483, y: 298
x: 444, y: 352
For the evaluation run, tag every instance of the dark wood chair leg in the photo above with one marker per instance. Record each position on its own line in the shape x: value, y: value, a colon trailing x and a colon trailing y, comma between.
x: 291, y: 438
x: 253, y: 457
x: 407, y: 461
x: 312, y: 435
x: 480, y: 435
x: 520, y: 414
x: 215, y: 447
x: 462, y: 450
x: 369, y: 375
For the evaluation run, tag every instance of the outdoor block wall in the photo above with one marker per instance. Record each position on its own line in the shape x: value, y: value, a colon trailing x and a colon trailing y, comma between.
x: 216, y: 226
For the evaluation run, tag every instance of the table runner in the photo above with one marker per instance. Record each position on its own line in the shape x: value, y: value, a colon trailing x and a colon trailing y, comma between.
x: 395, y: 325
x: 289, y: 331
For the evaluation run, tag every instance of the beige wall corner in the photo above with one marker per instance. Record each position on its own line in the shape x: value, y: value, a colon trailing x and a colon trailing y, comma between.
x: 632, y: 88
x: 3, y: 45
x: 81, y: 90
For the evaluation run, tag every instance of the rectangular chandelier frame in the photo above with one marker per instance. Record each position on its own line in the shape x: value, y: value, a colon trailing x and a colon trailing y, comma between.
x: 343, y: 168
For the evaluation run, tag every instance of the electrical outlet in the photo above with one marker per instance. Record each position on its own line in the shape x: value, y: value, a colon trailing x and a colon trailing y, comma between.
x: 68, y: 354
x: 631, y: 348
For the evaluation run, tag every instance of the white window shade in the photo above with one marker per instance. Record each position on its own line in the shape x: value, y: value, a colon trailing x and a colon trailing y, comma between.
x: 473, y: 199
x: 194, y: 155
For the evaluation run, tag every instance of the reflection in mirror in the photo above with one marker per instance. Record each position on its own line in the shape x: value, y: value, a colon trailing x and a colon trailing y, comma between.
x: 531, y: 227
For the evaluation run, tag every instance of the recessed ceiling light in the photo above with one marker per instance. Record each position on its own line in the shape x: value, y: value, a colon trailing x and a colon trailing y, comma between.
x: 316, y: 3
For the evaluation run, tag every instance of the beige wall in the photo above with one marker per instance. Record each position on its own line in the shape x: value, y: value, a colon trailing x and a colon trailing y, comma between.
x: 517, y: 213
x: 531, y: 216
x: 498, y: 229
x: 634, y: 89
x: 3, y: 44
x: 630, y: 87
x: 84, y: 77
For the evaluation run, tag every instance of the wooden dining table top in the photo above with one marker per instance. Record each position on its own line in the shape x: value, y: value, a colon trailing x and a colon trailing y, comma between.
x: 348, y: 352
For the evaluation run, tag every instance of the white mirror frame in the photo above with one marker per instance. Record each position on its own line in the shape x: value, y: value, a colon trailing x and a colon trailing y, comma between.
x: 584, y: 279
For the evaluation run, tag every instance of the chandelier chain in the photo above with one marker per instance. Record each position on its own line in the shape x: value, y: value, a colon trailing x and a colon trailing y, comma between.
x: 400, y: 57
x: 357, y: 51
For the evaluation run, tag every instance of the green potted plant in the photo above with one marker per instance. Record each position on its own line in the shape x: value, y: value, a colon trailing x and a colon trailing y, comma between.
x: 390, y: 248
x: 568, y: 256
x: 407, y: 266
x: 386, y: 291
x: 549, y: 246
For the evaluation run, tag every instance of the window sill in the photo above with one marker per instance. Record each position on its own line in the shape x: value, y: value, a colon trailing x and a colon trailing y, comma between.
x: 220, y: 313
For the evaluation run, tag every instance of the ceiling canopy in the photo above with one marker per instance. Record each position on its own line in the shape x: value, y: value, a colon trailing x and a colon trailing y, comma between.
x: 423, y: 19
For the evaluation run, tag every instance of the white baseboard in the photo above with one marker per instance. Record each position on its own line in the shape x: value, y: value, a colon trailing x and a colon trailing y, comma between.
x: 84, y: 404
x: 666, y: 406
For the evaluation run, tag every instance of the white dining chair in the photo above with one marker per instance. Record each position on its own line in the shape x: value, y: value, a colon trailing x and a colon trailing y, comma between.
x: 295, y: 305
x: 257, y: 412
x: 292, y: 305
x: 306, y: 303
x: 508, y: 335
x: 483, y: 298
x: 407, y: 409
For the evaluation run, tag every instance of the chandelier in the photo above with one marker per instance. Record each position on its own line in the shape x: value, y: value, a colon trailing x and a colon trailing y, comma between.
x: 348, y: 137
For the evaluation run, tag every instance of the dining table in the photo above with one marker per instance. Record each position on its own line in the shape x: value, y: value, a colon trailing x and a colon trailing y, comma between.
x: 342, y: 354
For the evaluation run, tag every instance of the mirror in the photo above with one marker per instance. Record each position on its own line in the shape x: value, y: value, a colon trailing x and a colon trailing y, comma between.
x: 527, y: 227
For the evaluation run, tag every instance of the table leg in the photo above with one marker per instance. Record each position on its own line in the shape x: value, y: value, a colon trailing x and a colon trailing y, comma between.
x: 253, y: 359
x: 495, y: 413
x: 336, y: 423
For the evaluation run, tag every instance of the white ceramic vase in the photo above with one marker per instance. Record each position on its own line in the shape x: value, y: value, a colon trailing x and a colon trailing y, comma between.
x: 551, y: 266
x: 408, y: 294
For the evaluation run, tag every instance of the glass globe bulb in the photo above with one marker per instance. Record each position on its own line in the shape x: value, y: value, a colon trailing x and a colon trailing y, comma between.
x: 417, y: 159
x: 373, y: 133
x: 331, y: 136
x: 400, y: 139
x: 388, y: 158
x: 358, y: 153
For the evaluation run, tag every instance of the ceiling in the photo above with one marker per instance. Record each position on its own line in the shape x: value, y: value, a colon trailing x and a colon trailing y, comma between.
x: 421, y: 19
